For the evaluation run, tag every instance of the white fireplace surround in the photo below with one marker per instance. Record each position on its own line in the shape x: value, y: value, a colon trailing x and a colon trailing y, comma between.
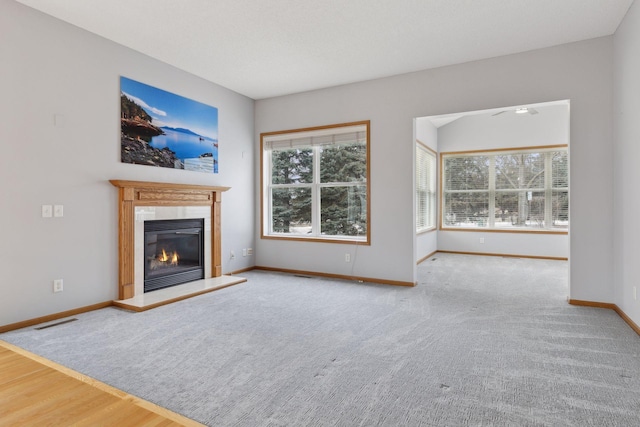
x: 150, y: 213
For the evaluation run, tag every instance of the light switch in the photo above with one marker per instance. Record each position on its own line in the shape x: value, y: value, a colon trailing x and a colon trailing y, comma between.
x: 46, y: 211
x: 58, y: 211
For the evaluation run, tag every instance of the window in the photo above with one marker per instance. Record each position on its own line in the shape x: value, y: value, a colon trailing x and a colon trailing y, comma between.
x: 425, y: 188
x: 507, y: 190
x: 315, y: 183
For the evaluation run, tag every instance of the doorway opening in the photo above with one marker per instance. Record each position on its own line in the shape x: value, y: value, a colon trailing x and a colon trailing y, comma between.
x: 502, y: 179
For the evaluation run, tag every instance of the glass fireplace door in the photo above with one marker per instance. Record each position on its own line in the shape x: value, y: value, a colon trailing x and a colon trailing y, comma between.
x: 173, y: 252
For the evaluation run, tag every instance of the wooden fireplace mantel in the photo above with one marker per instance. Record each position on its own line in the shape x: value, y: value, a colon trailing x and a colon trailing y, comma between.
x: 141, y: 193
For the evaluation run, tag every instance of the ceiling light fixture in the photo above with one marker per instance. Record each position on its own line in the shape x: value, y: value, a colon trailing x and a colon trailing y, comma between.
x: 522, y: 110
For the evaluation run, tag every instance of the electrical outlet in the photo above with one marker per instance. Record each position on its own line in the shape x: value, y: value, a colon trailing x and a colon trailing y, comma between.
x: 482, y: 240
x: 47, y: 211
x: 347, y: 257
x: 232, y: 255
x: 57, y: 285
x: 249, y: 251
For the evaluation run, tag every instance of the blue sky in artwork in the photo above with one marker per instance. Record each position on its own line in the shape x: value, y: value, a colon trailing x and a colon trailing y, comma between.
x: 169, y: 109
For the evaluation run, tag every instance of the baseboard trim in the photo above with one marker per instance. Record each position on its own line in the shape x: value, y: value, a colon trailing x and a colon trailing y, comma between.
x: 609, y: 306
x: 337, y: 276
x: 55, y: 316
x: 233, y: 273
x: 627, y: 319
x: 592, y: 304
x: 506, y: 255
x: 423, y: 259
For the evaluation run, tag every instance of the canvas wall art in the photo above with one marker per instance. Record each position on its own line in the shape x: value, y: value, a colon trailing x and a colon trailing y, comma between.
x: 159, y: 128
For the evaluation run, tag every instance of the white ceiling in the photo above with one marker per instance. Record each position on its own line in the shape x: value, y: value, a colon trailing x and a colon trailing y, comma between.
x: 266, y: 48
x: 540, y: 108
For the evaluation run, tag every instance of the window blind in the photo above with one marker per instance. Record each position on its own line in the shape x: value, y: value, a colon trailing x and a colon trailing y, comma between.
x: 425, y: 188
x: 334, y: 136
x: 466, y: 173
x: 511, y: 189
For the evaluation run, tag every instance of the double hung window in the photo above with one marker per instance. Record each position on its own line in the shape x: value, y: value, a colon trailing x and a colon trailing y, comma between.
x: 517, y: 189
x: 425, y: 188
x: 315, y: 183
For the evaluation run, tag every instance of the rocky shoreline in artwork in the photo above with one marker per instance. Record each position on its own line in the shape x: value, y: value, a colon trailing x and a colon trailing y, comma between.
x: 138, y: 151
x: 140, y: 127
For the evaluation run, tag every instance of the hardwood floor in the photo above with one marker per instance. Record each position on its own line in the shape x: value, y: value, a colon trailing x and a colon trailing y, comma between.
x: 35, y: 391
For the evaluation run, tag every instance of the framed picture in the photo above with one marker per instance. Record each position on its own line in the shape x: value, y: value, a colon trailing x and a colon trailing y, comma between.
x: 162, y: 129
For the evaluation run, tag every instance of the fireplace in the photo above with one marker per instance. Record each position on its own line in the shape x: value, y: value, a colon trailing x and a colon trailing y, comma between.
x: 161, y: 203
x: 141, y: 201
x: 173, y: 252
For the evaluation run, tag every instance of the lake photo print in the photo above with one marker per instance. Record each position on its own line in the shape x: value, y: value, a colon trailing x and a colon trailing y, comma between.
x: 159, y: 128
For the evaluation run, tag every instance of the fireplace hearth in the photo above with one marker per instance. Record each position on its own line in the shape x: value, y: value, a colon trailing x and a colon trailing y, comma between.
x: 173, y: 252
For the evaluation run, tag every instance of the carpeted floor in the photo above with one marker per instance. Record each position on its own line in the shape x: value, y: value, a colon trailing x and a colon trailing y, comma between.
x: 481, y: 341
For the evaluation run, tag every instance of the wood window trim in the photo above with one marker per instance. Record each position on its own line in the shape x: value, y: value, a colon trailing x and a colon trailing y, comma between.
x: 317, y: 239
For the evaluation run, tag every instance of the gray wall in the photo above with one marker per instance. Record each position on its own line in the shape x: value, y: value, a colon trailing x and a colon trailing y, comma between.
x: 580, y: 72
x: 52, y: 68
x: 626, y: 155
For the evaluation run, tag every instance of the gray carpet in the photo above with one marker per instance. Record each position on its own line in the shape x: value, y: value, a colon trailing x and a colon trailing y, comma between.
x: 482, y: 341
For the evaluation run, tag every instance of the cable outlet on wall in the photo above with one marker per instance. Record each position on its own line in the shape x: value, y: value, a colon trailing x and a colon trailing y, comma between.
x: 57, y: 285
x: 232, y: 255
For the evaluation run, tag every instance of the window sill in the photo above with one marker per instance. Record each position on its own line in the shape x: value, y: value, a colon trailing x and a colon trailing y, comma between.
x: 426, y: 230
x: 510, y: 230
x: 365, y: 242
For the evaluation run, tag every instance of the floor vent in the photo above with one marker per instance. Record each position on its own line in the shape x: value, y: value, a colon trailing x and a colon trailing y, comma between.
x: 56, y: 324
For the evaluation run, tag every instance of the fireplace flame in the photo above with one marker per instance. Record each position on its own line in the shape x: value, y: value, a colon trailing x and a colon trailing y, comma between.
x: 164, y: 259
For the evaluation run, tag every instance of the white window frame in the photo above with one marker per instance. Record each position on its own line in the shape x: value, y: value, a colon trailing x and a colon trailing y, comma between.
x: 314, y: 138
x: 491, y: 191
x: 425, y: 184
